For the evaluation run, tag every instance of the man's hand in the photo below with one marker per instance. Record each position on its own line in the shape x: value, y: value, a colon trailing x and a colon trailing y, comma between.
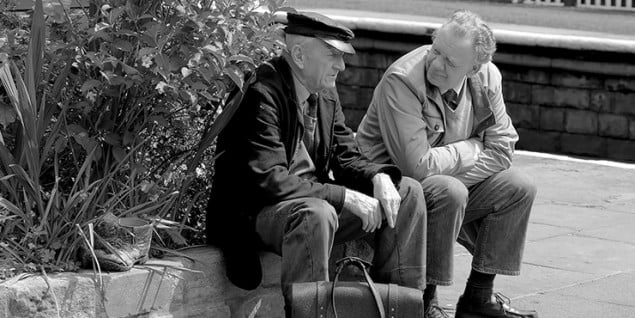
x: 384, y: 191
x: 365, y: 207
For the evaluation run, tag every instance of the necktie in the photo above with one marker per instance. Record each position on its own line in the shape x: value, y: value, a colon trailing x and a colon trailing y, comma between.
x: 450, y: 99
x: 310, y: 121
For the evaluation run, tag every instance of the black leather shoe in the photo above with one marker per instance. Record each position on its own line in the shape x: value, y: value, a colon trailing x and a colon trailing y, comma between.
x: 497, y: 307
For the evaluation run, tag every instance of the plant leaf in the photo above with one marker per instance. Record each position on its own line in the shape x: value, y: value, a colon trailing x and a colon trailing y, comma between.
x: 35, y: 54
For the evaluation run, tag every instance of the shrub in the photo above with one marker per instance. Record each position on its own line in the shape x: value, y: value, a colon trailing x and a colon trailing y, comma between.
x: 109, y: 114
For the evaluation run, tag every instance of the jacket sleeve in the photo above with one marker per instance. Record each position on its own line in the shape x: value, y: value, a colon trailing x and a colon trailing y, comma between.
x: 350, y: 168
x: 499, y: 140
x: 267, y: 163
x: 405, y: 132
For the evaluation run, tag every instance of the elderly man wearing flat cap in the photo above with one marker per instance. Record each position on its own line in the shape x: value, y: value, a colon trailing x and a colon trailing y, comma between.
x: 291, y: 179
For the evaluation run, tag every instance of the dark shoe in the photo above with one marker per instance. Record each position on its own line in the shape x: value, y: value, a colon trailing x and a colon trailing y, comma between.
x: 497, y: 307
x: 434, y: 310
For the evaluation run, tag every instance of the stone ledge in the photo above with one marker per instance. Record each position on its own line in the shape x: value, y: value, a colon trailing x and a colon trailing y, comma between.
x: 505, y: 33
x: 157, y: 289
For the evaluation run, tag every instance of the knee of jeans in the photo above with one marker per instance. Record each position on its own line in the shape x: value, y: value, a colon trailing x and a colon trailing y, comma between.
x: 319, y: 213
x: 410, y: 188
x: 412, y: 199
x: 524, y: 186
x: 451, y: 190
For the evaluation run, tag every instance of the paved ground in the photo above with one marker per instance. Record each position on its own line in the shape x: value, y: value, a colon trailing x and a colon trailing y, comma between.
x: 580, y: 254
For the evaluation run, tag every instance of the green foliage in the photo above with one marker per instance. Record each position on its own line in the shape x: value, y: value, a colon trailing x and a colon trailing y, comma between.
x: 102, y: 110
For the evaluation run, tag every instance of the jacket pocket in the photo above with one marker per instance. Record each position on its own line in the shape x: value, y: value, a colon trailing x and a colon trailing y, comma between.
x: 435, y: 130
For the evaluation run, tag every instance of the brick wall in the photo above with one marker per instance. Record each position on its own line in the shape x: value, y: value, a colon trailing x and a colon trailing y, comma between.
x: 569, y: 101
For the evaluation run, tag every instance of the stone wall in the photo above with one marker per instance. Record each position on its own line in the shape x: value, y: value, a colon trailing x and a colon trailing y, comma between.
x: 569, y: 95
x: 191, y: 286
x: 187, y: 287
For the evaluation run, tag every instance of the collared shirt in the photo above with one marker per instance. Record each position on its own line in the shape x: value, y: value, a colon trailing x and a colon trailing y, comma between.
x: 301, y: 164
x: 458, y: 89
x: 406, y: 124
x: 459, y: 121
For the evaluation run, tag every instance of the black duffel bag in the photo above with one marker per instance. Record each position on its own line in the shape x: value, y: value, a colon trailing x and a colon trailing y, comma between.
x: 354, y: 299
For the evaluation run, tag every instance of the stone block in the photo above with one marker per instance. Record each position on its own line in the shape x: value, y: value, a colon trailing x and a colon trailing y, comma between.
x: 621, y: 149
x: 620, y: 85
x: 581, y: 121
x: 363, y: 98
x: 527, y: 75
x: 31, y: 297
x: 516, y: 92
x: 552, y: 118
x: 202, y: 310
x: 583, y: 145
x: 369, y: 59
x: 360, y: 76
x: 573, y: 97
x: 613, y: 125
x: 536, y: 140
x: 624, y: 103
x: 354, y: 117
x: 266, y: 303
x: 575, y: 80
x: 600, y: 101
x: 542, y: 95
x: 355, y: 97
x: 141, y: 290
x: 348, y: 95
x: 631, y: 129
x: 524, y: 116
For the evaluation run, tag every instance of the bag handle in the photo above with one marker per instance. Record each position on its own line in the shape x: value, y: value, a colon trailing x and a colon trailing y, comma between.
x: 363, y: 266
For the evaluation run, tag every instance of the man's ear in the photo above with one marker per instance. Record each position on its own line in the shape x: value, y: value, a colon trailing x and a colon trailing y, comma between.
x: 297, y: 55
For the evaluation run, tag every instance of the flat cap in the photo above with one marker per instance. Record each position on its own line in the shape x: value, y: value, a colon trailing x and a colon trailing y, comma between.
x: 319, y: 26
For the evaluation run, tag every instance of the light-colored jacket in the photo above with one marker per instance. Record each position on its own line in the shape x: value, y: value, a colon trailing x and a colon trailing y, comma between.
x: 405, y: 124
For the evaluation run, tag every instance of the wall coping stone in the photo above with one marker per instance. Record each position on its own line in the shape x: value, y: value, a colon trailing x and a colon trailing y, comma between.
x: 156, y: 289
x: 505, y: 33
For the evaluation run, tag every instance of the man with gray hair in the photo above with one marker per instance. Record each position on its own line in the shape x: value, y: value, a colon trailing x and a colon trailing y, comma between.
x: 291, y: 179
x: 438, y: 114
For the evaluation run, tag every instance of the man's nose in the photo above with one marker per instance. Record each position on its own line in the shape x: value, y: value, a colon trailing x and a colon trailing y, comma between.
x: 438, y: 64
x: 339, y: 64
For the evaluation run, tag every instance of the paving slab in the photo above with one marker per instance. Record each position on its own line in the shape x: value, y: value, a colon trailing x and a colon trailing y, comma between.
x: 582, y: 184
x: 535, y: 279
x: 581, y: 254
x: 624, y: 233
x: 559, y: 306
x: 577, y: 218
x: 539, y: 231
x: 614, y: 289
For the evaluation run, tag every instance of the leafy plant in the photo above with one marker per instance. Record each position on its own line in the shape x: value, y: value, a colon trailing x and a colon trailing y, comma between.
x: 106, y: 113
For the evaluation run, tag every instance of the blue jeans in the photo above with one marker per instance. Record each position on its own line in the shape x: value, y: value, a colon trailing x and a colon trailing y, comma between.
x: 304, y: 230
x: 490, y: 219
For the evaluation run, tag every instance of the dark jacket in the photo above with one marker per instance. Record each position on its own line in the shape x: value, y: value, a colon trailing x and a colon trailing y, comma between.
x: 256, y: 149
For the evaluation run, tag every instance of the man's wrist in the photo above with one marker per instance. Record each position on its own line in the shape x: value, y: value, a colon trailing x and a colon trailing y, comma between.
x: 381, y: 178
